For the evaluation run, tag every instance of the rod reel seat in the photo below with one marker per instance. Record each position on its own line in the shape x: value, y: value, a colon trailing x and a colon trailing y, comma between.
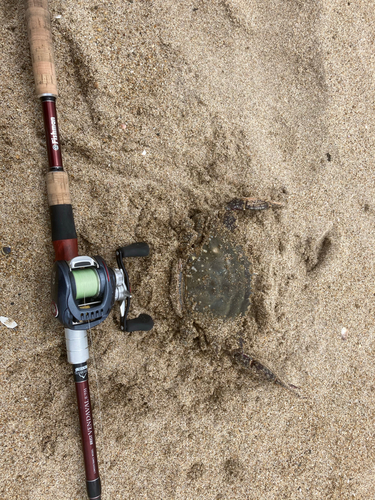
x: 85, y: 289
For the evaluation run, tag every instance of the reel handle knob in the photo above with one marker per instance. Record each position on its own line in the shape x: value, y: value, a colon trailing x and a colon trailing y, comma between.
x: 143, y: 323
x: 140, y: 249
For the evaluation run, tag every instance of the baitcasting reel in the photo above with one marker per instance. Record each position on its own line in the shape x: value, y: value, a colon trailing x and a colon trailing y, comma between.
x: 85, y: 289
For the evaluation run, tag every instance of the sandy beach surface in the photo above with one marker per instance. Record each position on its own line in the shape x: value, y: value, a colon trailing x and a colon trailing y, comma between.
x: 169, y: 109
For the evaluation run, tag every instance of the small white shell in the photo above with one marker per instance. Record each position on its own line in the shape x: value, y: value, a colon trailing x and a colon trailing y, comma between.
x: 344, y: 333
x: 8, y: 322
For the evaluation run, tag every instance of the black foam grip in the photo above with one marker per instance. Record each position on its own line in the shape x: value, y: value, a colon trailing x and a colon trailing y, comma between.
x: 143, y: 323
x: 62, y: 222
x: 140, y: 249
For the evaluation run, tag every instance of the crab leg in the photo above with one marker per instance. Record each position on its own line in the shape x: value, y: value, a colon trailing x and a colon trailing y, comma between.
x: 242, y: 204
x: 249, y: 362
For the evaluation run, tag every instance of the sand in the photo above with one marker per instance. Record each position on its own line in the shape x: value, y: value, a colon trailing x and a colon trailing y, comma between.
x: 168, y: 109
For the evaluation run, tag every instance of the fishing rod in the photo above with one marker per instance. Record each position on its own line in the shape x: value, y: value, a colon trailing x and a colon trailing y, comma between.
x: 84, y: 288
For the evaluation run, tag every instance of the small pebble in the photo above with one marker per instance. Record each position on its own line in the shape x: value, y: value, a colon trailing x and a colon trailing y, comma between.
x: 6, y: 250
x: 344, y: 333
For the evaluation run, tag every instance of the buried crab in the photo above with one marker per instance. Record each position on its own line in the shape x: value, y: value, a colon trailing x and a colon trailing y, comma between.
x: 211, y: 282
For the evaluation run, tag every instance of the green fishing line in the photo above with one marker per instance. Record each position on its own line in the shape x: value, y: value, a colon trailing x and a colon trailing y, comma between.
x: 87, y: 283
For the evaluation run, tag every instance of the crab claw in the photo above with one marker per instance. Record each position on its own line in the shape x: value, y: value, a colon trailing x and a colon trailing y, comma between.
x: 251, y: 204
x: 249, y: 362
x: 245, y: 204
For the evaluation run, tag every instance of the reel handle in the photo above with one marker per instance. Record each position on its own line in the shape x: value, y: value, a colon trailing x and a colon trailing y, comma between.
x: 140, y: 249
x: 143, y: 323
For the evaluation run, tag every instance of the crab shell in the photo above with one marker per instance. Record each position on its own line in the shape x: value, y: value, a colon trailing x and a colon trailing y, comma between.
x: 214, y: 280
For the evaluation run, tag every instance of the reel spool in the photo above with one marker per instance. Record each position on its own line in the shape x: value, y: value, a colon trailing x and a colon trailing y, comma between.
x: 85, y: 289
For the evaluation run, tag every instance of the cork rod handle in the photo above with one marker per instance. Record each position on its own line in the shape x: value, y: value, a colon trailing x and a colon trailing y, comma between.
x: 40, y: 38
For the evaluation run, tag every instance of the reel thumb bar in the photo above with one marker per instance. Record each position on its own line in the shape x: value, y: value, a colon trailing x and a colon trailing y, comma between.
x: 64, y: 235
